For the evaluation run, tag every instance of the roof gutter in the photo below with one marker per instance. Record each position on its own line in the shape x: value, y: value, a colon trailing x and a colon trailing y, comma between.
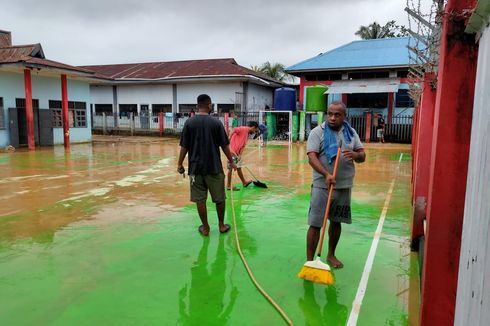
x: 202, y: 78
x: 300, y: 71
x: 23, y: 65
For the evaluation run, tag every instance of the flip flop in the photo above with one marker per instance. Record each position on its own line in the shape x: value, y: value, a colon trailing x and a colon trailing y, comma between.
x: 227, y: 228
x: 202, y: 231
x: 233, y: 188
x: 248, y: 184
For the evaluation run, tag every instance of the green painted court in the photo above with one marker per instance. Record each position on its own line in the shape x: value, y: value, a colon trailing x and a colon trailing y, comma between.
x: 106, y: 235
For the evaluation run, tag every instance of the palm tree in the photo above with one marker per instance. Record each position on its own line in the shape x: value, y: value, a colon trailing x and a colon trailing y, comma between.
x: 255, y: 68
x: 375, y: 30
x: 273, y: 70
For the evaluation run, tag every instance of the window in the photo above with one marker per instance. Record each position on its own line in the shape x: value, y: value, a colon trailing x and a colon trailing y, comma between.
x: 226, y: 107
x: 367, y: 100
x: 126, y: 109
x: 21, y: 103
x: 103, y: 108
x: 402, y: 73
x: 324, y: 76
x: 157, y: 108
x: 186, y: 108
x: 403, y: 100
x: 77, y: 114
x: 369, y: 74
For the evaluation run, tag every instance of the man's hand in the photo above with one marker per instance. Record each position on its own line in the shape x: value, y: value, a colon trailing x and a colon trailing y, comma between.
x: 330, y: 181
x: 233, y: 165
x: 350, y: 155
x: 181, y: 169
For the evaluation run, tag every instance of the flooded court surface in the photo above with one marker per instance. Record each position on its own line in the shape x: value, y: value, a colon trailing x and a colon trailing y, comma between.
x: 106, y: 235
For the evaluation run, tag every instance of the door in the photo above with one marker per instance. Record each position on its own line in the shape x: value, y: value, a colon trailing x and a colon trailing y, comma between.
x: 144, y: 116
x: 14, y: 127
x: 45, y: 127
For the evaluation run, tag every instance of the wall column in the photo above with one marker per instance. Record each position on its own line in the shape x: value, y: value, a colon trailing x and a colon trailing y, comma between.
x: 29, y: 113
x: 64, y: 111
x: 449, y: 165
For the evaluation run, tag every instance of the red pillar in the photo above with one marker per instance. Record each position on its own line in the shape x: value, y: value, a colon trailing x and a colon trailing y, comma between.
x: 226, y: 123
x: 64, y: 111
x: 390, y: 108
x: 449, y: 165
x: 368, y: 127
x: 29, y: 113
x: 160, y: 123
x: 423, y: 141
x: 344, y: 99
x: 423, y: 147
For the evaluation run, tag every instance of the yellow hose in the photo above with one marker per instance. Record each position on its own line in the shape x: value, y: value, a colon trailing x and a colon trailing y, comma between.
x: 249, y: 271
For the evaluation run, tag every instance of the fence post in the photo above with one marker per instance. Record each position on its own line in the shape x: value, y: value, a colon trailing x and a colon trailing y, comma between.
x: 226, y: 122
x: 160, y: 123
x: 131, y: 122
x: 368, y: 127
x: 104, y: 123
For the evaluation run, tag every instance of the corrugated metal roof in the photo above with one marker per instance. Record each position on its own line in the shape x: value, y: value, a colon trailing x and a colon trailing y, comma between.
x: 360, y: 54
x: 175, y: 69
x: 33, y: 55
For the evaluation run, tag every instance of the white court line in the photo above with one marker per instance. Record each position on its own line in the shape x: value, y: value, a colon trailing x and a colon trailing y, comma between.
x: 361, y: 290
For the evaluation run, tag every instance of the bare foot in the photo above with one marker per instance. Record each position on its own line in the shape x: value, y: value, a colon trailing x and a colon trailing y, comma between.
x: 334, y: 262
x: 203, y: 230
x: 224, y: 228
x: 246, y: 184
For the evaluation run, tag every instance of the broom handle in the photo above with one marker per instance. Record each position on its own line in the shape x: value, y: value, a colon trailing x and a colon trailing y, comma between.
x: 329, y: 200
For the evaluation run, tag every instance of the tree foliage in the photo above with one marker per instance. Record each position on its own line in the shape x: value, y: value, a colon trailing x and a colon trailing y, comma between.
x: 375, y: 30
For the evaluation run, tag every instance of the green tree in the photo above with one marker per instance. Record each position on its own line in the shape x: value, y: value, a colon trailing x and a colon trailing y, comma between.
x: 375, y: 30
x: 273, y: 70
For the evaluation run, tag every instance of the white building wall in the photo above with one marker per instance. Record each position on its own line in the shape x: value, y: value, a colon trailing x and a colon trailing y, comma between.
x: 473, y: 295
x: 44, y: 89
x: 220, y: 93
x: 258, y: 97
x: 101, y: 94
x: 144, y: 94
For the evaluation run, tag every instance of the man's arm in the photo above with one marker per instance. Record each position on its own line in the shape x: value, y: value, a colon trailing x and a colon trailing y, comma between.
x: 318, y: 167
x: 229, y: 156
x: 182, y: 154
x: 357, y: 155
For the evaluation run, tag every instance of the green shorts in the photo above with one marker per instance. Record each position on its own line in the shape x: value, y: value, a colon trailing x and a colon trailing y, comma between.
x: 200, y: 184
x: 340, y: 210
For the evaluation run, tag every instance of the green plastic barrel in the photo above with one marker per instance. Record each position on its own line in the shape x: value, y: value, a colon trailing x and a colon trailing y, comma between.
x: 271, y: 125
x: 295, y: 126
x: 316, y: 100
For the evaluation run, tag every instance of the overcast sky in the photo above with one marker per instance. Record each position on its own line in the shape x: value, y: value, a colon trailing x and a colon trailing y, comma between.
x: 83, y: 32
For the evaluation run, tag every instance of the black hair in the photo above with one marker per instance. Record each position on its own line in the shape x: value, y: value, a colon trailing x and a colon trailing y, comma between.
x: 203, y: 100
x: 253, y: 124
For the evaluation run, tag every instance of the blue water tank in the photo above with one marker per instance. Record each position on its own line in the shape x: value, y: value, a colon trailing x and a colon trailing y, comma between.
x: 285, y: 99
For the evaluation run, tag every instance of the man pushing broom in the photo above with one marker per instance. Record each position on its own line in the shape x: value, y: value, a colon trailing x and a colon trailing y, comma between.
x: 323, y: 149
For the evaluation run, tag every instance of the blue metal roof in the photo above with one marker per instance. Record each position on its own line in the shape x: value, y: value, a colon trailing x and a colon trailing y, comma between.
x: 360, y: 54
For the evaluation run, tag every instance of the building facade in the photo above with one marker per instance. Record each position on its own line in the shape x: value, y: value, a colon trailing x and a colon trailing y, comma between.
x: 367, y: 75
x: 146, y: 89
x: 31, y: 98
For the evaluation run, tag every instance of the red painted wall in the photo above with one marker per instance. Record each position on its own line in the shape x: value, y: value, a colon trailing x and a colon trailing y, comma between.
x: 449, y: 164
x: 303, y: 83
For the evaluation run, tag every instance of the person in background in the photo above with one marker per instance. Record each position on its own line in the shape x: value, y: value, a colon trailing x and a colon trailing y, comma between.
x: 322, y: 146
x: 202, y: 137
x: 238, y: 141
x: 380, y: 128
x: 264, y: 133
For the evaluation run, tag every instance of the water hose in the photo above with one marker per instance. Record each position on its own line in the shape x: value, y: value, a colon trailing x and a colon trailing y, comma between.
x: 249, y: 271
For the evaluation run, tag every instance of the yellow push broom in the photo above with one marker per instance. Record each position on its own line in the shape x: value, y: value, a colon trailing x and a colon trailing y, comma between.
x: 317, y: 271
